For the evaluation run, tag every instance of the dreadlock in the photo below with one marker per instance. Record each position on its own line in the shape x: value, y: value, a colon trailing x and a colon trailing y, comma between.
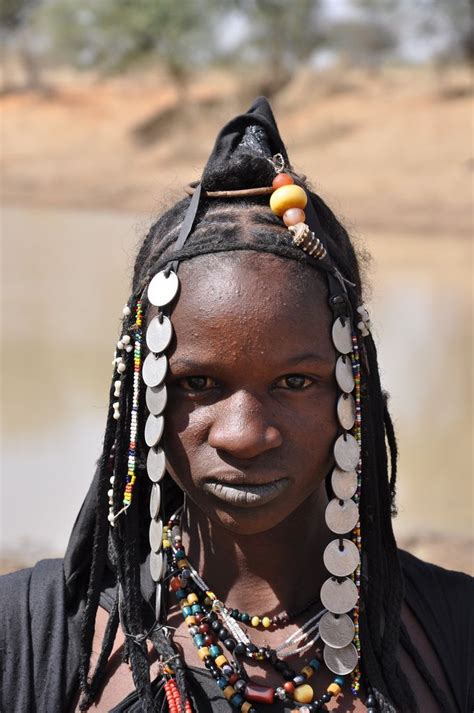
x: 224, y: 225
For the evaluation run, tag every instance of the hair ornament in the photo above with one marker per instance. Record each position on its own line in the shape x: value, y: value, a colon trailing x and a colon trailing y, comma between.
x: 364, y: 325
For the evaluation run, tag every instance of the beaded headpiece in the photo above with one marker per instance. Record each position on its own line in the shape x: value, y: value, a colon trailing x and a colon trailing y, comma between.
x: 338, y: 624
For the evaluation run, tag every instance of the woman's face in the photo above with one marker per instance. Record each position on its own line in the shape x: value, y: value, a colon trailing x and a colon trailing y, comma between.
x: 250, y: 421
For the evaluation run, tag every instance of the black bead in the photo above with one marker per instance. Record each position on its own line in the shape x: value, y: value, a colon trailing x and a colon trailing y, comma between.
x: 235, y: 613
x: 280, y: 666
x: 239, y: 649
x: 326, y: 697
x: 263, y: 651
x: 222, y: 634
x: 229, y: 644
x: 251, y: 648
x: 289, y: 674
x: 215, y: 625
x: 371, y: 710
x: 371, y: 702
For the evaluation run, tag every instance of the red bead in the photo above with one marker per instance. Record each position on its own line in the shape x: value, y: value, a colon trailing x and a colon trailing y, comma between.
x: 281, y: 179
x: 175, y: 584
x: 200, y: 617
x: 289, y: 687
x: 209, y: 640
x: 233, y: 678
x: 259, y: 694
x: 203, y: 628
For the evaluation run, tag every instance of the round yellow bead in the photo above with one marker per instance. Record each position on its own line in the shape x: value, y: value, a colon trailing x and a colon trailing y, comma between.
x: 334, y: 689
x: 303, y: 693
x: 255, y: 621
x: 203, y: 652
x: 266, y: 622
x: 228, y: 691
x: 221, y: 660
x: 287, y: 197
x: 192, y: 598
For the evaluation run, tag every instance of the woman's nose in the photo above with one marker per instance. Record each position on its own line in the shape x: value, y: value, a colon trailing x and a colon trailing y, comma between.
x: 241, y: 428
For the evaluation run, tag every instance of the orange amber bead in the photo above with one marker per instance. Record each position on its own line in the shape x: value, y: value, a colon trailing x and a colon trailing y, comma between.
x: 281, y: 179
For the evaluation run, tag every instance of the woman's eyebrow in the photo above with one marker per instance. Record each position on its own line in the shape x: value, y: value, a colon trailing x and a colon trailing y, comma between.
x: 310, y: 356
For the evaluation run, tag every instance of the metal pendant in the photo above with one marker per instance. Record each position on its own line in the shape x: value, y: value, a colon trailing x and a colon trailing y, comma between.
x: 344, y: 375
x: 156, y: 535
x: 341, y: 562
x: 155, y: 500
x: 163, y: 289
x: 342, y: 335
x: 346, y: 411
x: 156, y: 464
x: 344, y: 484
x: 158, y: 334
x: 154, y: 369
x: 339, y: 597
x: 341, y: 661
x: 156, y: 565
x: 346, y: 452
x: 336, y: 631
x: 154, y: 429
x: 156, y: 398
x: 341, y: 516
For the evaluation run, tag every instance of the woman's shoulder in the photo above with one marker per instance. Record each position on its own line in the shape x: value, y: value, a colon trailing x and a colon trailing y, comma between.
x: 438, y: 585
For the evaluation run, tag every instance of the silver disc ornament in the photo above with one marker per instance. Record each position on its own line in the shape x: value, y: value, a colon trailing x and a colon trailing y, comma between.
x: 156, y: 535
x: 341, y: 516
x: 346, y: 411
x: 156, y: 464
x: 159, y: 333
x: 344, y: 375
x: 346, y: 452
x: 342, y: 335
x: 341, y: 661
x: 155, y: 500
x: 156, y: 565
x: 156, y: 398
x: 163, y: 288
x: 344, y: 483
x: 154, y: 369
x: 154, y: 429
x: 336, y: 630
x: 339, y: 596
x: 341, y: 557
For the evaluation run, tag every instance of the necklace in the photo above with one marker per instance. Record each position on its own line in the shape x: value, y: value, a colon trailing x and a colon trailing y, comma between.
x: 210, y: 623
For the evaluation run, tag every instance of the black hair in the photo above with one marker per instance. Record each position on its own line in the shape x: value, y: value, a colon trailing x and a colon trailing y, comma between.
x: 224, y: 225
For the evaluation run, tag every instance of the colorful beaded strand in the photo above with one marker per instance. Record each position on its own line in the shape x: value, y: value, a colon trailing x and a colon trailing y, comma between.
x: 356, y: 533
x: 131, y: 476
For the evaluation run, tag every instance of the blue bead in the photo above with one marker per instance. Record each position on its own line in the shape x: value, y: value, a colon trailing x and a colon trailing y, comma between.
x: 199, y: 640
x: 237, y: 700
x: 314, y: 663
x: 181, y: 594
x: 222, y: 682
x: 196, y: 608
x: 180, y: 554
x: 186, y: 611
x: 215, y: 650
x: 339, y: 680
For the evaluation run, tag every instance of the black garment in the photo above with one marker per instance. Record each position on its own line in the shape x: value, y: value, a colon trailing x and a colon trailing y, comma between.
x: 40, y: 625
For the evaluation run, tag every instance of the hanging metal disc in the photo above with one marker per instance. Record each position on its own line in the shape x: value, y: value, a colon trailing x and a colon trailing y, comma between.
x: 342, y: 335
x: 154, y: 369
x: 336, y: 630
x: 339, y: 597
x: 346, y: 452
x: 154, y: 429
x: 158, y: 593
x: 155, y: 500
x: 158, y: 334
x: 156, y: 397
x: 156, y: 535
x: 156, y: 565
x: 344, y: 483
x: 341, y: 562
x: 341, y: 661
x: 344, y: 375
x: 341, y: 515
x: 156, y: 464
x: 163, y: 289
x: 346, y: 411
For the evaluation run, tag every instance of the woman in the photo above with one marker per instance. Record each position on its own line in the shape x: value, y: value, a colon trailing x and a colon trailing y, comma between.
x: 245, y: 451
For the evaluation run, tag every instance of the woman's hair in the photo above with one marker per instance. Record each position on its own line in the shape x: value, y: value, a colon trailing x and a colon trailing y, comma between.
x: 224, y: 225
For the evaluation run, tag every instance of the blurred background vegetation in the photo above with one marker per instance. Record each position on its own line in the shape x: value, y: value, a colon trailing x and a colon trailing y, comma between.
x: 109, y: 107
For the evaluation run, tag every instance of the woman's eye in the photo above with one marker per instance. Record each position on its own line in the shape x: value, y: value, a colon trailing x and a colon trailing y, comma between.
x: 197, y: 383
x: 294, y: 382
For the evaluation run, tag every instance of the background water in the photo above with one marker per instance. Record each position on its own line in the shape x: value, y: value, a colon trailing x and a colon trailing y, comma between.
x: 65, y: 277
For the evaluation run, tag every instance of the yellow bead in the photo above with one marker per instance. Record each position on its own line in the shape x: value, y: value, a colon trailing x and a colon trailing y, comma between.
x: 245, y: 707
x: 307, y: 671
x: 166, y: 544
x: 192, y: 598
x: 266, y: 622
x: 334, y: 689
x: 221, y: 660
x: 211, y: 595
x: 303, y: 694
x: 228, y: 692
x: 287, y: 197
x: 203, y: 652
x: 190, y: 620
x: 255, y: 621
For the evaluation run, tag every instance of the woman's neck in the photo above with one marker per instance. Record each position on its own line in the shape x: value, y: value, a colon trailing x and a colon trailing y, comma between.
x: 277, y: 570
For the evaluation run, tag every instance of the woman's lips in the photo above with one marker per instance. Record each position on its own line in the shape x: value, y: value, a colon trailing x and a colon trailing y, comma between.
x: 246, y: 495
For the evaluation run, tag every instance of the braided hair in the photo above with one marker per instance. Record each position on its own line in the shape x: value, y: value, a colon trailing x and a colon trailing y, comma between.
x: 224, y: 225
